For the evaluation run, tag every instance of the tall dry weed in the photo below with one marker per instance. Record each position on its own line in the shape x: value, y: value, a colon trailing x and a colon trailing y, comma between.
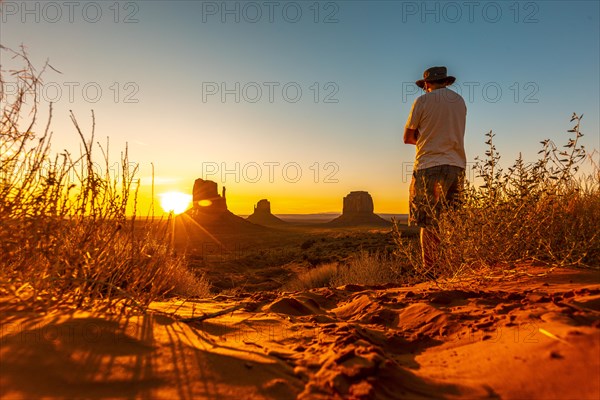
x: 65, y: 237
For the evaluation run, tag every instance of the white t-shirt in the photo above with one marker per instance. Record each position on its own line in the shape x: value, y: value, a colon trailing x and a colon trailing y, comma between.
x: 440, y: 117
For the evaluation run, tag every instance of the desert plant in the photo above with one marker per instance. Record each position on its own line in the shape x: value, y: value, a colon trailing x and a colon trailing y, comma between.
x: 65, y: 236
x: 363, y: 268
x: 367, y: 268
x: 544, y: 212
x: 320, y: 276
x: 186, y: 284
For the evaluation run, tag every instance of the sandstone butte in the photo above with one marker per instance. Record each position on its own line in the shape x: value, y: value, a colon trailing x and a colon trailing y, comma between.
x: 357, y: 211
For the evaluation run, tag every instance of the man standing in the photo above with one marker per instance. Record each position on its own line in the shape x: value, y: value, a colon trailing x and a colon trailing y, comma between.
x: 436, y: 125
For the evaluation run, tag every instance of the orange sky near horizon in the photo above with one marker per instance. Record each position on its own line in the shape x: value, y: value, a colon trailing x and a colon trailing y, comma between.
x: 241, y: 198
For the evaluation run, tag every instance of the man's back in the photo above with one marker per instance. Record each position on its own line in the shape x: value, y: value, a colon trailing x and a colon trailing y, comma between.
x: 440, y: 118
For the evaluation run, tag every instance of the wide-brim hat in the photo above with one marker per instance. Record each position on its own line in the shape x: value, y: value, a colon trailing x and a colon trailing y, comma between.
x: 435, y: 74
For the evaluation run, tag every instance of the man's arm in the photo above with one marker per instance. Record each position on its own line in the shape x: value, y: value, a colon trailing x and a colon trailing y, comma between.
x: 411, y: 136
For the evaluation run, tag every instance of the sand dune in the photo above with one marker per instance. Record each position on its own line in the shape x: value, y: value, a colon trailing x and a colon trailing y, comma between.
x: 533, y: 337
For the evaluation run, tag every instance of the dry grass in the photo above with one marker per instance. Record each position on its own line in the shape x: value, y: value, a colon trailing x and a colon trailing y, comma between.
x: 65, y: 239
x: 369, y: 269
x: 187, y: 284
x: 544, y: 212
x: 363, y: 268
x: 320, y: 276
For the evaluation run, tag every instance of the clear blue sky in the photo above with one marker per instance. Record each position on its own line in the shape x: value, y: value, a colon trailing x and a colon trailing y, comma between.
x: 522, y: 67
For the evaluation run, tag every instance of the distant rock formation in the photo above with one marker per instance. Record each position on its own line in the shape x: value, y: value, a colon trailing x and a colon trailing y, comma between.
x: 263, y: 205
x: 210, y: 211
x: 262, y: 215
x: 206, y: 197
x: 358, y: 203
x: 358, y: 210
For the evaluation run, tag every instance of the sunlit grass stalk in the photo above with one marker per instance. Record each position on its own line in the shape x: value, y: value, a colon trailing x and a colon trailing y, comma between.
x: 65, y: 237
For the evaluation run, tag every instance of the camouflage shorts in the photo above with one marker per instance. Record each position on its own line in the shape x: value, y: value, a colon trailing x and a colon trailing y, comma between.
x: 433, y: 189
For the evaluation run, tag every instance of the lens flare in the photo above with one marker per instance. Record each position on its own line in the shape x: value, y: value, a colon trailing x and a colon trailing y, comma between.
x: 175, y: 202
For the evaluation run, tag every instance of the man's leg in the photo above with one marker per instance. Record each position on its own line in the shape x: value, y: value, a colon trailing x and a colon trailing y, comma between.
x: 429, y: 247
x: 429, y: 237
x: 446, y: 192
x: 422, y: 202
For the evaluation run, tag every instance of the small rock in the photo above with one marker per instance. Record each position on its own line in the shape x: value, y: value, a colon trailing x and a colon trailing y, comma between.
x: 345, y: 356
x: 301, y: 372
x: 538, y: 298
x: 340, y: 383
x: 555, y: 355
x: 362, y: 390
x: 485, y: 324
x: 514, y: 296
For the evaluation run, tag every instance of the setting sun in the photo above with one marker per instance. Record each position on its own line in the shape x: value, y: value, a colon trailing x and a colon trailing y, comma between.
x: 176, y: 202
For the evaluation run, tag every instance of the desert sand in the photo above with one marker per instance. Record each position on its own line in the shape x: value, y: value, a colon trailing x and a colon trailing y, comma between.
x: 520, y: 337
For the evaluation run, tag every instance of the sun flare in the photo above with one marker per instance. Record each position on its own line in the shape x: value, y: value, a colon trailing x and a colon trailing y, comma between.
x: 175, y: 202
x: 205, y: 203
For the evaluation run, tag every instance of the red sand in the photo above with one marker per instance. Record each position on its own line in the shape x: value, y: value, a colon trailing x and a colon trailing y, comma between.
x: 526, y: 338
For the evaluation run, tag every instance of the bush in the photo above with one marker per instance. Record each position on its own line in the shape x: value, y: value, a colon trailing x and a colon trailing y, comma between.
x: 317, y: 277
x: 369, y: 269
x: 307, y: 244
x: 363, y: 268
x: 186, y: 284
x: 544, y: 212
